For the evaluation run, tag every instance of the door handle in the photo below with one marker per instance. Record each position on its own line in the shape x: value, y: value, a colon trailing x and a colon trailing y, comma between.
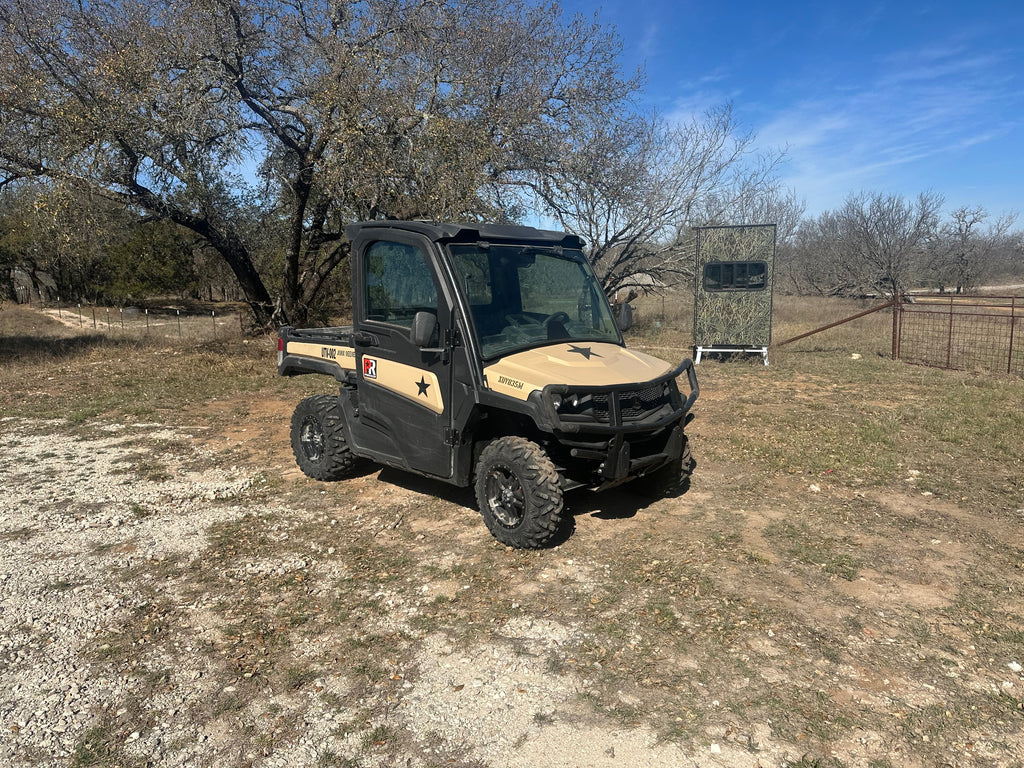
x: 363, y: 339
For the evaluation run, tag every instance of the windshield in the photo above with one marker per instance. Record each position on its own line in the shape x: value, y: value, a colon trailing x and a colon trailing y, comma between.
x: 527, y: 296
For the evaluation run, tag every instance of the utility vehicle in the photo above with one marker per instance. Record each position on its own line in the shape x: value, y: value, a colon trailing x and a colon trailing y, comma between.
x: 488, y: 354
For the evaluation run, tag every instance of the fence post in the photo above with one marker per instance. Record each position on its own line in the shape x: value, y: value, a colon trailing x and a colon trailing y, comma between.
x: 1013, y: 322
x: 897, y: 324
x: 949, y: 341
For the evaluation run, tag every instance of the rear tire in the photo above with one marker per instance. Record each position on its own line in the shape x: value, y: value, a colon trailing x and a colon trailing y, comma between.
x: 318, y: 439
x: 519, y: 493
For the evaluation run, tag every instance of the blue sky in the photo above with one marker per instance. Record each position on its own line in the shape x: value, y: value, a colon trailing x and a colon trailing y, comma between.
x: 889, y: 97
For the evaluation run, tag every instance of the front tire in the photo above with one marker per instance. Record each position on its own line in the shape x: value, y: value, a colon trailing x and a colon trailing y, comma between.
x: 519, y: 493
x: 318, y: 439
x: 670, y: 480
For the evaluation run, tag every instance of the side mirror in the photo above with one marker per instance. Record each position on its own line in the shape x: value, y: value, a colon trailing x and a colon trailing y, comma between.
x: 624, y: 318
x: 423, y: 326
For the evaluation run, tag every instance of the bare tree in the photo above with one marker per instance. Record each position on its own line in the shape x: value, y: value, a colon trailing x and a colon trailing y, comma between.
x: 812, y: 262
x: 340, y: 110
x: 968, y: 250
x: 873, y: 244
x: 766, y: 203
x: 633, y: 186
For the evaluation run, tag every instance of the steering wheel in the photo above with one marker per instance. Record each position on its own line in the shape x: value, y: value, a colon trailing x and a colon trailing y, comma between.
x: 521, y: 318
x: 557, y: 317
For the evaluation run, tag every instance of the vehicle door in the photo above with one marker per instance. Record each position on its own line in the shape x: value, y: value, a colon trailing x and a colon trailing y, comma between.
x: 405, y: 388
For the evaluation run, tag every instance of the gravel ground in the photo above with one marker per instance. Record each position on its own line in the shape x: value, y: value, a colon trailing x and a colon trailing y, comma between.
x: 82, y: 517
x: 73, y: 522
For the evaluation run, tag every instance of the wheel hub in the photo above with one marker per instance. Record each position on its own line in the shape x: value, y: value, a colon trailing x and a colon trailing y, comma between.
x: 505, y: 496
x: 312, y: 439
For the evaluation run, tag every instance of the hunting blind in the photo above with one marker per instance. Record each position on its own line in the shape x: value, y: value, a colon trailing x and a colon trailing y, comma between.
x: 733, y: 279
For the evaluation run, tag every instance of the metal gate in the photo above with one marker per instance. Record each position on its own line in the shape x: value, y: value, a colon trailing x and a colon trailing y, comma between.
x: 961, y: 332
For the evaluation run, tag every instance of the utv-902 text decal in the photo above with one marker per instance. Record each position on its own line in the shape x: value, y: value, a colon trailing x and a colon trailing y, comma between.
x: 335, y: 353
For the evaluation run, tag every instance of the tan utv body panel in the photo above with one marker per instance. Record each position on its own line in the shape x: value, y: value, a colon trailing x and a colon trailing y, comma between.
x: 344, y: 357
x: 576, y: 365
x: 406, y: 380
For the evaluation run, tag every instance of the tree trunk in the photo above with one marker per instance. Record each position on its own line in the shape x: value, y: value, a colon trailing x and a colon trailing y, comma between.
x: 253, y: 289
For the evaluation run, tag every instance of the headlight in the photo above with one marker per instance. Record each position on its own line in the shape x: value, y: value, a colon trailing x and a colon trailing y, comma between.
x: 569, y: 401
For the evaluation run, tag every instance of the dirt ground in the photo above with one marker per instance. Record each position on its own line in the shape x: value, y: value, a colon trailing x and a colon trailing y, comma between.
x: 872, y: 656
x: 197, y: 601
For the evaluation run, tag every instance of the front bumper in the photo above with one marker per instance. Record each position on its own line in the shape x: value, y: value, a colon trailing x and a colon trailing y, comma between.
x: 606, y: 435
x: 638, y: 407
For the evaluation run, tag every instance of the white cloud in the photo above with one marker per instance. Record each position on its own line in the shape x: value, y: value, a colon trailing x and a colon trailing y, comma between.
x: 922, y: 105
x: 648, y: 45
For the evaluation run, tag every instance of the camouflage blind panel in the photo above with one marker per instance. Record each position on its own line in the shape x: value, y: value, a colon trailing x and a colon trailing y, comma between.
x: 733, y: 293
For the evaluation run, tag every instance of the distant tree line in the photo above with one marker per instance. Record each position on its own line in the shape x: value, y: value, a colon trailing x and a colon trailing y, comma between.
x: 222, y: 146
x: 877, y: 244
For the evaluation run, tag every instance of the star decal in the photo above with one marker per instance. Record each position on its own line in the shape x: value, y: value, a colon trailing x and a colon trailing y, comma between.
x: 585, y: 351
x: 422, y: 385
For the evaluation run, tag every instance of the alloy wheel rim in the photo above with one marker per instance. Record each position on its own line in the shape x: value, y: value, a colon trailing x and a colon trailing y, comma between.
x: 505, y: 497
x: 312, y: 439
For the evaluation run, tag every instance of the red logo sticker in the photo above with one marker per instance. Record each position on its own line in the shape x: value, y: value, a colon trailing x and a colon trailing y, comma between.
x: 369, y: 368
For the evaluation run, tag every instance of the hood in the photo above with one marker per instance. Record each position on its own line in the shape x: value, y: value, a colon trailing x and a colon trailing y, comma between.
x: 582, y: 364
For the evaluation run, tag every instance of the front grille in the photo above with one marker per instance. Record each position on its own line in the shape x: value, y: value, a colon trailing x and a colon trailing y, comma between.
x: 634, y: 405
x: 637, y: 404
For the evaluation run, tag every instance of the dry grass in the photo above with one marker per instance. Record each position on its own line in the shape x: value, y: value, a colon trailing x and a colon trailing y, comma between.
x: 841, y: 586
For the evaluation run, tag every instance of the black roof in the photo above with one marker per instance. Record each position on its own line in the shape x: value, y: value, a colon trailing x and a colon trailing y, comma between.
x: 445, y: 232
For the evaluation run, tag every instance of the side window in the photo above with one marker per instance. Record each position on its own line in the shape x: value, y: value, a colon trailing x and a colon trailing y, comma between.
x: 398, y: 283
x: 735, y: 276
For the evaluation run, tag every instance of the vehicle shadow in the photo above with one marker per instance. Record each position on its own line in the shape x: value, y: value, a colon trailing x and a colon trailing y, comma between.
x: 620, y: 503
x: 462, y: 497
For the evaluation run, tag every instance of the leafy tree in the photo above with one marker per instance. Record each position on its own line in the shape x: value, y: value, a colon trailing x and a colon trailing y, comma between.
x: 316, y: 113
x: 155, y: 260
x: 60, y: 237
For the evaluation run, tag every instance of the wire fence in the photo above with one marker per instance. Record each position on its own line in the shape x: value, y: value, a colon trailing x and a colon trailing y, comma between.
x: 962, y: 332
x: 184, y: 325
